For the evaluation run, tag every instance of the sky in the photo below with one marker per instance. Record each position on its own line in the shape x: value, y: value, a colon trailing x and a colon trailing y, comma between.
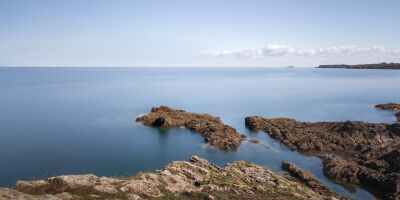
x: 141, y: 33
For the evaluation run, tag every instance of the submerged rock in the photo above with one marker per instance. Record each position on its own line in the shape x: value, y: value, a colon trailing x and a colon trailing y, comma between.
x: 214, y: 131
x: 370, y: 149
x: 193, y: 179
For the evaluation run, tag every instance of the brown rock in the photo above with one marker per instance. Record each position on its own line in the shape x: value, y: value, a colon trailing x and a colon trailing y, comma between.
x: 389, y: 106
x: 308, y: 179
x: 371, y: 149
x: 341, y: 170
x: 214, y: 131
x: 254, y: 140
x: 351, y: 138
x: 386, y: 186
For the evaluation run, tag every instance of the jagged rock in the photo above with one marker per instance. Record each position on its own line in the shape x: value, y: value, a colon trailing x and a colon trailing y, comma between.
x: 308, y: 179
x: 6, y: 193
x: 68, y: 183
x: 371, y: 149
x: 214, y: 131
x: 349, y: 137
x: 347, y: 171
x: 184, y: 179
x: 341, y: 170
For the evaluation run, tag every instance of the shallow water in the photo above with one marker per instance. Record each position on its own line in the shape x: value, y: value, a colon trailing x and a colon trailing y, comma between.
x: 57, y: 121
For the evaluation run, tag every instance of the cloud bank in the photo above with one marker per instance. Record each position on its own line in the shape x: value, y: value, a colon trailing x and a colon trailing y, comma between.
x: 272, y: 50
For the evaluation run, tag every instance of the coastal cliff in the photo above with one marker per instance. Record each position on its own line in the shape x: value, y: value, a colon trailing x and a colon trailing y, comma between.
x: 193, y: 179
x: 213, y: 130
x: 365, y: 66
x: 353, y: 152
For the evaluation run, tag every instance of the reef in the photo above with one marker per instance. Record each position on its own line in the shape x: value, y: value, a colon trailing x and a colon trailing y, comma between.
x: 214, y: 131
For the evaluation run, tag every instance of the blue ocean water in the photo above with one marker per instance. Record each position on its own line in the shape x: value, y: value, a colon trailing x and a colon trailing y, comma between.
x: 56, y: 121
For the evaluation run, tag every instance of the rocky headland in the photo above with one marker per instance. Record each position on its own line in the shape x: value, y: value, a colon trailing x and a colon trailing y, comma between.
x: 193, y: 179
x: 214, y: 131
x: 365, y: 66
x: 353, y: 152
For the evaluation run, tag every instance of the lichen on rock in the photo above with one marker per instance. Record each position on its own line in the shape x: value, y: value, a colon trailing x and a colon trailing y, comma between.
x: 193, y: 179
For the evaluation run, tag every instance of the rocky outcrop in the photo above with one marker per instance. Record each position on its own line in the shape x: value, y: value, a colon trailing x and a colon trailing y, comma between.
x: 193, y: 179
x: 308, y: 179
x: 370, y: 149
x: 365, y: 66
x: 6, y: 193
x: 389, y: 106
x: 214, y: 131
x: 352, y: 138
x: 386, y: 185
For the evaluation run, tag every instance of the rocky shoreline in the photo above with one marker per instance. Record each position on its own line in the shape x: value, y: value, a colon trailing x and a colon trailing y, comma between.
x: 353, y: 152
x: 365, y: 66
x: 193, y: 179
x: 390, y: 107
x: 213, y: 130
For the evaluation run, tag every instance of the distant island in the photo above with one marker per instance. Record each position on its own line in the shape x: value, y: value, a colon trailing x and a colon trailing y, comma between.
x: 365, y: 66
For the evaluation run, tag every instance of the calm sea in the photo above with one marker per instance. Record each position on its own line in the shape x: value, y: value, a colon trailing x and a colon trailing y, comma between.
x: 56, y: 121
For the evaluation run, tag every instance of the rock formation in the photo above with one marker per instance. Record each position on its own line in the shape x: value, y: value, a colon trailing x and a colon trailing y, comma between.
x: 391, y: 107
x: 308, y: 179
x: 193, y: 179
x: 214, y: 131
x: 367, y: 153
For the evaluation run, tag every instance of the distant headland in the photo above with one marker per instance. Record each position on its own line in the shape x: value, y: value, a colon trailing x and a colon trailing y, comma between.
x: 365, y: 66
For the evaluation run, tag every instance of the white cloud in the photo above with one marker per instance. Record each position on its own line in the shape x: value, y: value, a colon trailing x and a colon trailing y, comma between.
x: 272, y: 50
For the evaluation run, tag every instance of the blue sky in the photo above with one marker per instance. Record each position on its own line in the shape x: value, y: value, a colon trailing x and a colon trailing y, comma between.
x: 198, y: 33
